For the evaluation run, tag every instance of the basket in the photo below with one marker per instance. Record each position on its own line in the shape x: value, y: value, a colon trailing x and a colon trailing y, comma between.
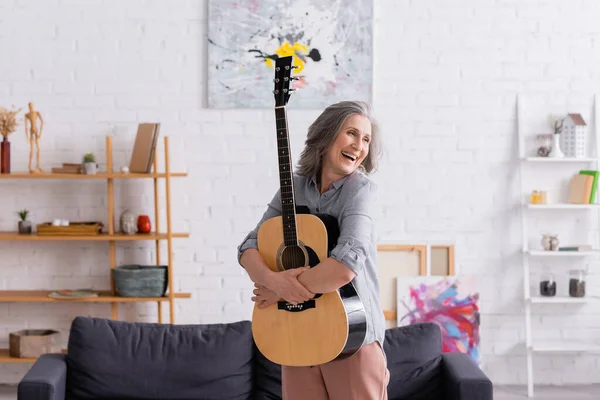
x: 32, y: 343
x: 140, y: 280
x: 91, y: 228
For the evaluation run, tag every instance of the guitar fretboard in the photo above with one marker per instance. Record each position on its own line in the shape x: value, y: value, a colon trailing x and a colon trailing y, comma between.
x: 288, y: 203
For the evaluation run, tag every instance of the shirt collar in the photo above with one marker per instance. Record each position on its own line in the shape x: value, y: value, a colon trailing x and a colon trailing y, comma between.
x: 336, y: 185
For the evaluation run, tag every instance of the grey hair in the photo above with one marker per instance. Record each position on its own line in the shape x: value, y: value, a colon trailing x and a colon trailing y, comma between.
x: 324, y: 130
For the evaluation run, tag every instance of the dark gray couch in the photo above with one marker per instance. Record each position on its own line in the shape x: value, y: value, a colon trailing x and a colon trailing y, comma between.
x: 124, y: 360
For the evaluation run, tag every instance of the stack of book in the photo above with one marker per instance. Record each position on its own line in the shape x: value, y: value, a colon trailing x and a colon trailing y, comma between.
x: 68, y: 168
x: 583, y: 187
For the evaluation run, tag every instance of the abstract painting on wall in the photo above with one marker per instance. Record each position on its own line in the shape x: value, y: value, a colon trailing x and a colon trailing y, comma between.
x: 451, y: 302
x: 330, y: 40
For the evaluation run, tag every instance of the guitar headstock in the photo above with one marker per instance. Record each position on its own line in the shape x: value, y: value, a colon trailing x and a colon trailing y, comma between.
x: 283, y: 80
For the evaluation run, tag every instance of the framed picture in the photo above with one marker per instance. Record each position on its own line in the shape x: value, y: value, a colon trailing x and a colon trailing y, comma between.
x: 394, y: 260
x: 452, y: 302
x: 331, y: 42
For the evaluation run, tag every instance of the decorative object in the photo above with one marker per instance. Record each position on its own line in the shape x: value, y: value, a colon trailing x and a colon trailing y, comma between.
x: 91, y: 228
x: 577, y: 283
x: 32, y: 343
x: 574, y: 136
x: 127, y: 223
x: 556, y: 124
x: 331, y: 44
x: 24, y: 225
x: 451, y: 302
x: 73, y: 294
x: 550, y: 242
x: 547, y: 285
x: 539, y: 197
x: 33, y: 135
x: 545, y: 146
x: 143, y: 224
x: 8, y: 124
x: 140, y: 280
x: 89, y: 164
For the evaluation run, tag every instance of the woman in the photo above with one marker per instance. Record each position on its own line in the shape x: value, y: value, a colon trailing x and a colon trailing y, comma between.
x: 342, y: 147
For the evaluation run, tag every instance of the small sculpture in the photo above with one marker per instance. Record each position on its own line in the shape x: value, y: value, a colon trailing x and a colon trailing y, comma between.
x: 550, y: 242
x: 33, y: 136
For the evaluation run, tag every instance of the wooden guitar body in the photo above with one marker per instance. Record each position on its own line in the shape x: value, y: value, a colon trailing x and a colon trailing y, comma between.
x: 330, y: 326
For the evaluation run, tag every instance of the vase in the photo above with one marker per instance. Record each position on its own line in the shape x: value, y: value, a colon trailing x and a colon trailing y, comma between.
x: 89, y: 168
x: 144, y: 225
x: 550, y: 242
x: 5, y: 156
x: 24, y: 227
x: 556, y: 151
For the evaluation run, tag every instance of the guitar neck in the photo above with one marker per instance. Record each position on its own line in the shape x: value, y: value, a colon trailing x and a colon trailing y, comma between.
x: 286, y: 182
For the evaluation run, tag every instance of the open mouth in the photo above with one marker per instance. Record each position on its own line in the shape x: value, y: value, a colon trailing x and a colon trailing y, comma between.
x: 349, y: 156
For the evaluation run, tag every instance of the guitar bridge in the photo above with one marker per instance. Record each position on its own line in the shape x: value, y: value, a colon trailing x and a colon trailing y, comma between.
x: 285, y: 306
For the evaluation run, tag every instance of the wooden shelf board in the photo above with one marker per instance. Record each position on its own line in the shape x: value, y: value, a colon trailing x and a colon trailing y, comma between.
x: 41, y: 296
x: 13, y: 235
x: 6, y: 358
x: 561, y: 160
x: 99, y: 175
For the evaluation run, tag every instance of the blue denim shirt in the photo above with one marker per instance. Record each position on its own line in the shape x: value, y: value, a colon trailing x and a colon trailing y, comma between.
x: 350, y: 200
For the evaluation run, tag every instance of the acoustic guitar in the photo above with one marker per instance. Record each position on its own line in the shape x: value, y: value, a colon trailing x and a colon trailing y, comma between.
x: 330, y: 325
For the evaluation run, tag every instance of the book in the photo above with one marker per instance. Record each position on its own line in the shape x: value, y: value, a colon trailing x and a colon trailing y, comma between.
x: 580, y: 189
x: 594, y: 174
x: 144, y: 148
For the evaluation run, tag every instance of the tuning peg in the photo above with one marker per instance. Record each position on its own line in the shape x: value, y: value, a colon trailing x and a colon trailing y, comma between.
x: 295, y: 66
x: 295, y: 78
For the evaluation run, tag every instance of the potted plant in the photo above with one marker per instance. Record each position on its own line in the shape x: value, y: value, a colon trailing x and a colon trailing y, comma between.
x: 24, y: 225
x: 89, y: 164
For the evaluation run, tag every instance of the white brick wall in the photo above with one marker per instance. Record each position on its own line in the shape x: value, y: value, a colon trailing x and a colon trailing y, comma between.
x: 446, y: 77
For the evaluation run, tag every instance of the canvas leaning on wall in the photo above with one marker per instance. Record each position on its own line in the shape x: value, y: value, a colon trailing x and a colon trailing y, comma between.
x: 452, y: 302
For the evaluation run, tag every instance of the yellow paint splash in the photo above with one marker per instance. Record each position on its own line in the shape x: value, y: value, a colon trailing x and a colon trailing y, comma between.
x: 287, y: 49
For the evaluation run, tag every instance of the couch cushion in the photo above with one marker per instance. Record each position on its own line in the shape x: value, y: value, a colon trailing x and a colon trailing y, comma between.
x: 115, y: 359
x: 267, y: 378
x: 414, y: 355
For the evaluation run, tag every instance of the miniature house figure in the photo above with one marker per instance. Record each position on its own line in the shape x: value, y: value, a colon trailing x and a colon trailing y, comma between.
x: 573, y: 136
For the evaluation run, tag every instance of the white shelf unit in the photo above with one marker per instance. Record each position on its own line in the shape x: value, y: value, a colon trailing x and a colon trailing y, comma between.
x: 528, y: 161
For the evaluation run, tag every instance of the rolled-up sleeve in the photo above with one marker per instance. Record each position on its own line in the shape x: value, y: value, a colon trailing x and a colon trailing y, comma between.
x: 356, y: 229
x: 250, y: 241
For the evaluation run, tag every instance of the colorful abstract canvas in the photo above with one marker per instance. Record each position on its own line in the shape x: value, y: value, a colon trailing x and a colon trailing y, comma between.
x: 330, y: 40
x: 451, y: 302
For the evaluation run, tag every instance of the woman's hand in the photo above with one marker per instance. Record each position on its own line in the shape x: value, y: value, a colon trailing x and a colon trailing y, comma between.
x: 264, y: 297
x: 286, y: 285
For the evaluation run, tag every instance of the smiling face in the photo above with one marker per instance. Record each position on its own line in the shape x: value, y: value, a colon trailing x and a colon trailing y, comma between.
x: 348, y: 151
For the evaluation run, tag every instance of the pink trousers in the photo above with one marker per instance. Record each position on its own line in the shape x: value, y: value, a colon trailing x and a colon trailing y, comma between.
x: 363, y: 376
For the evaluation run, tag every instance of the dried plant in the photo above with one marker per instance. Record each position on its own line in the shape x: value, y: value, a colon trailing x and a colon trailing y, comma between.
x: 8, y: 121
x: 556, y: 123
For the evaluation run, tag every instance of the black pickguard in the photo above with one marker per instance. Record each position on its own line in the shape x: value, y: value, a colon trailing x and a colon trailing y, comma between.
x: 357, y: 321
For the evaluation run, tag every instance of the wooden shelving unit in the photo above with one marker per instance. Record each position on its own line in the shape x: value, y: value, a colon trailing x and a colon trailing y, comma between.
x: 110, y: 236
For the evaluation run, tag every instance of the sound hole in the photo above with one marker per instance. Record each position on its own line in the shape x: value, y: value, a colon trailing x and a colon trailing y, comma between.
x: 293, y: 257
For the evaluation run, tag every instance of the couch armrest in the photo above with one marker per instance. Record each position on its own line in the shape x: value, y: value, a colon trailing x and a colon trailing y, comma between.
x: 463, y: 379
x: 46, y: 380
